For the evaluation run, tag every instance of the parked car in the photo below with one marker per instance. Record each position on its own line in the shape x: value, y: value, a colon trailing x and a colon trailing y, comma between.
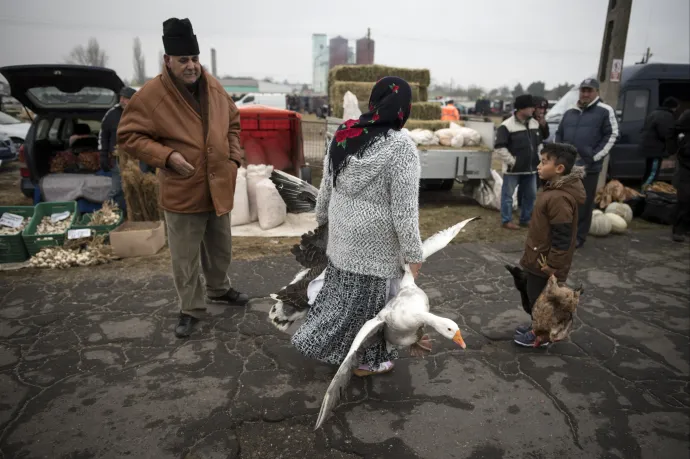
x: 61, y: 97
x: 9, y: 151
x: 643, y: 89
x: 13, y: 128
x: 259, y: 98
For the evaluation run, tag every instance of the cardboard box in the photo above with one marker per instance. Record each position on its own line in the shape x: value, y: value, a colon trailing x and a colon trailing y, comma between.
x: 138, y: 239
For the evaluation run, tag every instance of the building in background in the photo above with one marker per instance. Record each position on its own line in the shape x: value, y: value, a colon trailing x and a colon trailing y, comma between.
x: 338, y: 52
x: 320, y: 62
x: 239, y: 86
x: 351, y: 55
x: 365, y: 51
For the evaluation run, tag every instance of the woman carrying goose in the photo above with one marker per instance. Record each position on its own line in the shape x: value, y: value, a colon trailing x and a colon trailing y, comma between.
x: 369, y: 202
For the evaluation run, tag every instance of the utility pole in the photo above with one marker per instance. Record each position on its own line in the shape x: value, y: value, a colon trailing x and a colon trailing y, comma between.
x: 611, y: 60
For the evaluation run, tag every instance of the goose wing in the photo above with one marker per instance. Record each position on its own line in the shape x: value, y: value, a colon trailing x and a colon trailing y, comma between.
x: 342, y: 377
x: 299, y: 196
x: 311, y: 250
x: 441, y: 239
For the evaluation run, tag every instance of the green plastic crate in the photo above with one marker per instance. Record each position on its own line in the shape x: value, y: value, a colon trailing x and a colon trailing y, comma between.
x: 12, y: 248
x: 104, y: 230
x: 35, y: 242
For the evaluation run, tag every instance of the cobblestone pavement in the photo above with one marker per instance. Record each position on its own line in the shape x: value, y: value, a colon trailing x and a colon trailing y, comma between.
x: 89, y: 368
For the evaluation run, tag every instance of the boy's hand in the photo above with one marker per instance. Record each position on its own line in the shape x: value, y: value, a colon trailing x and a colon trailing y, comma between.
x: 548, y: 270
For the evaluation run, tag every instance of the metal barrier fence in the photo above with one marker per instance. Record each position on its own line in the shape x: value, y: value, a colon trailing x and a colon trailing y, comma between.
x: 316, y: 135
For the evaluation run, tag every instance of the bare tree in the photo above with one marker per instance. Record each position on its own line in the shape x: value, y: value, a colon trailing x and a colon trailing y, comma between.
x: 91, y: 55
x: 139, y: 63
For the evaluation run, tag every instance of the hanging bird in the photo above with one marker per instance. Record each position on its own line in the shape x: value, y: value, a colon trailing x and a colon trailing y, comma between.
x: 552, y: 314
x: 299, y: 196
x: 402, y: 321
x: 292, y: 301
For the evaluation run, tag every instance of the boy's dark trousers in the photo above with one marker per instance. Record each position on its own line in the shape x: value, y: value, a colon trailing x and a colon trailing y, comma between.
x: 535, y: 285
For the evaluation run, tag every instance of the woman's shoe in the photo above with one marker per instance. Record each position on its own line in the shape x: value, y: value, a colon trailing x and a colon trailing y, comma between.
x: 384, y: 367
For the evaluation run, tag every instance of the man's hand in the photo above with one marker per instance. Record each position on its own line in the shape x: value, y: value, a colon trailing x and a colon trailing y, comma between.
x: 180, y: 165
x: 415, y: 267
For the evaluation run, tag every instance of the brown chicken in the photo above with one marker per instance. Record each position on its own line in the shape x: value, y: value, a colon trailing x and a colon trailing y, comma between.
x: 552, y: 314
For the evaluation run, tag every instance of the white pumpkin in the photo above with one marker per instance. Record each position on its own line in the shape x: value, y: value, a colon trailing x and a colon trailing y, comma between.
x: 596, y: 212
x: 618, y: 224
x: 601, y: 226
x: 622, y: 209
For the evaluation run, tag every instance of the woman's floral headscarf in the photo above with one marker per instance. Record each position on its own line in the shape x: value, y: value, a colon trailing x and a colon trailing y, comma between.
x: 389, y: 108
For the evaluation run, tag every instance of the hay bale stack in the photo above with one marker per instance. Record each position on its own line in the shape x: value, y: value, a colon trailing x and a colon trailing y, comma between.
x: 369, y: 73
x: 140, y: 190
x: 429, y: 111
x: 427, y: 124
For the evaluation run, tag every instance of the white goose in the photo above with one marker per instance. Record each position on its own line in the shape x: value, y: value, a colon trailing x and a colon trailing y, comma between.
x: 402, y: 321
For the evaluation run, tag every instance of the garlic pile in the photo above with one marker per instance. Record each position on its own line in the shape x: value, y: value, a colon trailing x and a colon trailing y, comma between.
x: 7, y: 231
x: 94, y: 253
x: 46, y: 227
x: 108, y: 214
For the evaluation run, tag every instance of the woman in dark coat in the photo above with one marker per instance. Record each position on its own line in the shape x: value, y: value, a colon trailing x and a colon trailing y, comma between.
x: 658, y: 138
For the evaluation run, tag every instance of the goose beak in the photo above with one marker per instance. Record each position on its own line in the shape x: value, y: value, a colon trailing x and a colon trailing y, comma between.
x: 457, y: 339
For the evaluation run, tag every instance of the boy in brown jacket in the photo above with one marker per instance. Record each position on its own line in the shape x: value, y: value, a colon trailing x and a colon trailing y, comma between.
x: 553, y: 228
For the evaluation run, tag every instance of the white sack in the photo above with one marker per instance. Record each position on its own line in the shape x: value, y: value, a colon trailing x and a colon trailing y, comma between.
x: 240, y: 209
x: 271, y: 207
x: 488, y: 193
x: 351, y: 109
x: 472, y: 137
x: 424, y: 137
x: 255, y: 173
x: 457, y: 141
x: 445, y: 136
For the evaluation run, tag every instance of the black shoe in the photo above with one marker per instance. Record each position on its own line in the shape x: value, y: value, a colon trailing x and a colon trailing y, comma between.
x: 579, y: 244
x: 678, y: 238
x: 231, y: 297
x: 185, y: 325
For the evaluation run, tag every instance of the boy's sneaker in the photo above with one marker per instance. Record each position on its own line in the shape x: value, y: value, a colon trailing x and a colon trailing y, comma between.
x: 522, y: 329
x: 528, y: 339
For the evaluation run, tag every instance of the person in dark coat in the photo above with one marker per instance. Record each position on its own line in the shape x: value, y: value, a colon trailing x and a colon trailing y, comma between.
x: 107, y: 141
x: 591, y: 127
x: 658, y: 138
x: 681, y: 180
x: 541, y: 105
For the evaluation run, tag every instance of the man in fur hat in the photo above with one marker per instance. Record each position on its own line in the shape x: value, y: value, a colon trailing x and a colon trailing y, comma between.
x: 185, y: 124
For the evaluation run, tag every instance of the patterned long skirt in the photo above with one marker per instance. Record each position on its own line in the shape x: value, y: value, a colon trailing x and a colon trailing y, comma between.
x: 346, y: 301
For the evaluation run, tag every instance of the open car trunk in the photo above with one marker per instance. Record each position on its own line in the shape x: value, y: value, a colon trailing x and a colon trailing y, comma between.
x: 63, y: 88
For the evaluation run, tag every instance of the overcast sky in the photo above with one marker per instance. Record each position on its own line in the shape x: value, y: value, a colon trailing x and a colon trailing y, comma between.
x: 485, y: 42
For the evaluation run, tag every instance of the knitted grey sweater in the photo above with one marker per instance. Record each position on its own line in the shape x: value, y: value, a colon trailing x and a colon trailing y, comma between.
x: 373, y: 211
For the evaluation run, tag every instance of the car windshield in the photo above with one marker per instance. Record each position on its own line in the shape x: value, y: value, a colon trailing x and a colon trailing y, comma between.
x: 7, y: 119
x: 53, y: 97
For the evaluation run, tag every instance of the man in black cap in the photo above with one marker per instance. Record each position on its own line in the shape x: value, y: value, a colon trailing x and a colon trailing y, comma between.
x: 184, y: 123
x: 541, y: 105
x: 591, y: 127
x: 518, y: 142
x: 107, y: 140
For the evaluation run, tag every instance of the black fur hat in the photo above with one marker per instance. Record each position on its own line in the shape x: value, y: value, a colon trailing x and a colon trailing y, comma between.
x: 179, y: 38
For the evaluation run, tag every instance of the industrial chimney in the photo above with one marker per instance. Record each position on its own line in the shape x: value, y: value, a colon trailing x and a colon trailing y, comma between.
x: 213, y: 62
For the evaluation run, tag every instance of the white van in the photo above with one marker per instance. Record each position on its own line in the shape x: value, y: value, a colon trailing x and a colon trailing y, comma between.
x: 258, y: 98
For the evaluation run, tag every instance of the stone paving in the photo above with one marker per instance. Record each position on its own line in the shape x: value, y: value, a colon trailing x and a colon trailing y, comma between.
x: 89, y: 368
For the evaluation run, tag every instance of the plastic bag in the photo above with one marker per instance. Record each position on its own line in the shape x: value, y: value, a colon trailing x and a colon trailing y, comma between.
x: 659, y: 207
x: 271, y: 207
x: 240, y: 209
x: 351, y: 109
x: 254, y: 175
